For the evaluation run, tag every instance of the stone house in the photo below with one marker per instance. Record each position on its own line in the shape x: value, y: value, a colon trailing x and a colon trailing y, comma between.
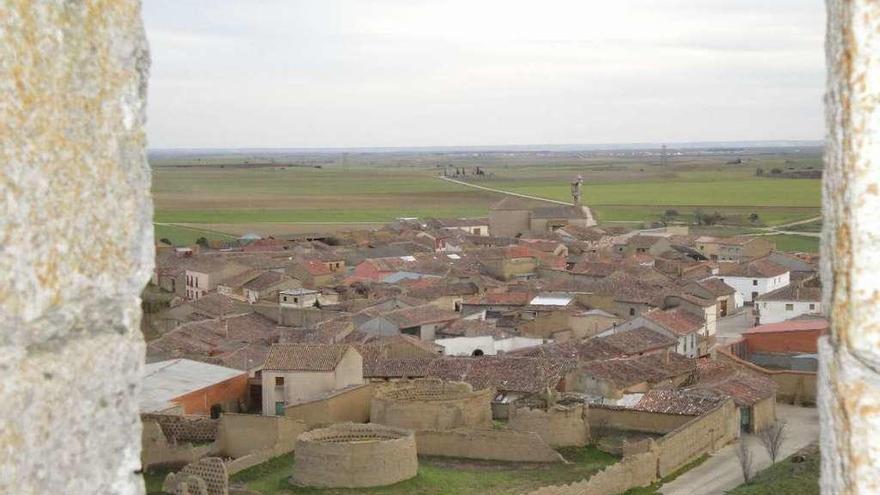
x: 514, y: 217
x: 418, y: 321
x: 643, y: 244
x: 788, y: 302
x: 267, y: 286
x: 298, y: 298
x: 311, y: 273
x: 733, y: 249
x: 726, y: 298
x: 677, y: 323
x: 296, y: 372
x: 753, y: 393
x: 204, y: 274
x: 753, y: 278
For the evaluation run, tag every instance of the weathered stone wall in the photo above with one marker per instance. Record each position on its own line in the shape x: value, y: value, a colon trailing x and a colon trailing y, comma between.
x: 702, y: 435
x: 849, y: 383
x: 242, y: 434
x: 157, y: 449
x: 77, y: 244
x: 797, y: 387
x: 349, y: 405
x: 617, y: 418
x: 497, y: 445
x: 763, y: 414
x: 206, y: 476
x: 185, y: 428
x: 559, y: 426
x: 631, y: 472
x: 355, y: 455
x: 431, y: 405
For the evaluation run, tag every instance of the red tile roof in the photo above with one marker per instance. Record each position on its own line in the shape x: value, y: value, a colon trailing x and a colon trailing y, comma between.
x: 676, y: 320
x: 305, y: 357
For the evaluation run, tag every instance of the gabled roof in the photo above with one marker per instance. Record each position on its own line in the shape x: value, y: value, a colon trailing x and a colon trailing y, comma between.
x: 793, y: 292
x: 419, y: 315
x: 805, y: 325
x: 683, y: 402
x: 265, y: 280
x: 745, y: 387
x: 638, y: 340
x: 756, y: 269
x: 716, y: 287
x: 305, y: 357
x: 676, y: 320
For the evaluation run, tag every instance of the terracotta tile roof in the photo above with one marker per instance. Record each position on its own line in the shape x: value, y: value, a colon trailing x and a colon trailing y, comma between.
x: 595, y: 268
x: 501, y: 299
x: 652, y: 368
x: 745, y: 387
x: 503, y: 373
x: 683, y: 402
x: 638, y: 340
x: 716, y: 287
x: 793, y: 292
x: 676, y: 320
x: 265, y: 280
x: 470, y: 328
x: 397, y: 367
x: 807, y: 325
x: 304, y: 357
x: 419, y: 315
x: 757, y: 269
x: 567, y: 211
x: 437, y: 290
x: 315, y: 268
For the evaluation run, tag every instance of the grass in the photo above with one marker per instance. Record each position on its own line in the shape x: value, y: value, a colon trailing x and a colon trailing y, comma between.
x: 442, y: 476
x: 786, y: 478
x: 381, y: 187
x: 799, y: 243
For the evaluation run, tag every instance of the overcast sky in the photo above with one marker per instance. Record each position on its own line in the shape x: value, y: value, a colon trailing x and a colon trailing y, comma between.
x: 328, y: 73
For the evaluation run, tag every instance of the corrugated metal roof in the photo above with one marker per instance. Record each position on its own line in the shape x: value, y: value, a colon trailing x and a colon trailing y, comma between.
x: 167, y: 380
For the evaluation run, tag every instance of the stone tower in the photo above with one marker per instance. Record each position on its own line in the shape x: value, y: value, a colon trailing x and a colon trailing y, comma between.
x: 576, y: 190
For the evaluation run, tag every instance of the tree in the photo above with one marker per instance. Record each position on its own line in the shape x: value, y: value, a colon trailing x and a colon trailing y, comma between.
x: 759, y: 172
x: 754, y: 218
x: 744, y: 455
x: 772, y: 439
x: 165, y: 240
x: 776, y: 171
x: 201, y: 241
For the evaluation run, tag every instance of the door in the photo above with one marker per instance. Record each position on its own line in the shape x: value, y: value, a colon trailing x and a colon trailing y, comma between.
x: 723, y: 307
x: 279, y: 408
x: 745, y: 419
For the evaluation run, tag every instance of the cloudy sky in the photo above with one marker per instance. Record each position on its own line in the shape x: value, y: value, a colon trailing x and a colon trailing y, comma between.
x: 354, y: 73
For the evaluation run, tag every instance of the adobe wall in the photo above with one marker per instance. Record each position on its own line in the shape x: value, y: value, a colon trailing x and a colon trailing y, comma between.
x: 349, y: 405
x: 798, y: 387
x: 496, y: 445
x: 206, y: 476
x: 618, y: 418
x: 431, y: 405
x: 242, y: 434
x: 702, y: 435
x: 764, y: 414
x: 559, y: 426
x: 158, y: 450
x: 351, y: 455
x: 634, y: 471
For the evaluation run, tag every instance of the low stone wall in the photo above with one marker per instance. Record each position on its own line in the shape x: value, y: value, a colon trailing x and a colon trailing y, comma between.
x: 157, y: 450
x: 349, y: 405
x: 634, y: 471
x: 559, y: 426
x: 179, y: 428
x: 431, y: 405
x: 602, y: 418
x: 796, y: 387
x: 701, y: 435
x: 352, y: 455
x: 496, y: 445
x: 242, y: 434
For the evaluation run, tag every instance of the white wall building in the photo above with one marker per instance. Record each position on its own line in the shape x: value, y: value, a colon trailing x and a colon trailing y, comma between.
x: 787, y: 303
x: 753, y: 279
x: 484, y: 345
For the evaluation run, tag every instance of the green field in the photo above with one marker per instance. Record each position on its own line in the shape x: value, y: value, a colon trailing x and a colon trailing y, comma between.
x: 436, y: 476
x: 786, y: 478
x: 291, y: 195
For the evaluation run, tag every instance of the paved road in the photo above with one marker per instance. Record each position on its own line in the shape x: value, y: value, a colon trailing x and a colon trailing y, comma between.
x: 721, y: 472
x: 731, y: 327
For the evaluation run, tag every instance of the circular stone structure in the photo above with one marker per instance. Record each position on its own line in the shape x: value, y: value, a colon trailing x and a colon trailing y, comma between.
x: 349, y: 455
x: 431, y: 405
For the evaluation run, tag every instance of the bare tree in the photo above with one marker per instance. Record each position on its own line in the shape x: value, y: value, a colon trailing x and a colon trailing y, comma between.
x: 772, y: 439
x: 745, y: 459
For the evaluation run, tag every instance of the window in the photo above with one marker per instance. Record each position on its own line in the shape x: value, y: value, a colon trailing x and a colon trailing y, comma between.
x: 296, y: 300
x: 632, y: 311
x: 789, y: 307
x: 279, y: 381
x: 755, y: 282
x: 812, y: 307
x: 477, y: 231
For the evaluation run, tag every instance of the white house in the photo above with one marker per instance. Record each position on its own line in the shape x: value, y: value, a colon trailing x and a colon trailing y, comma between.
x: 677, y: 323
x: 754, y: 278
x: 484, y: 345
x: 295, y: 372
x: 788, y: 302
x: 298, y: 298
